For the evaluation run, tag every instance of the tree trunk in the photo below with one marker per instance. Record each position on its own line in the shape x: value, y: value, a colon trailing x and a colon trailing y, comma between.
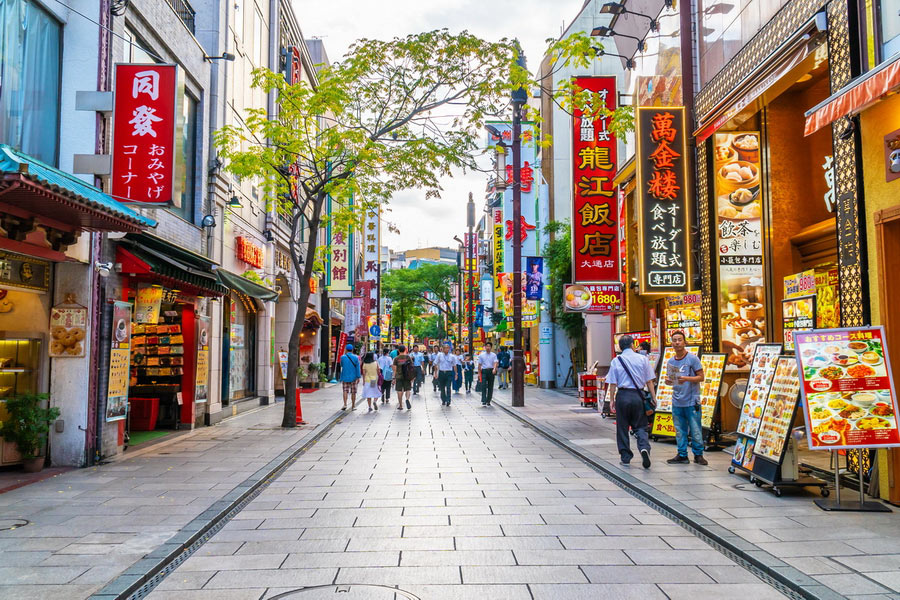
x: 290, y: 384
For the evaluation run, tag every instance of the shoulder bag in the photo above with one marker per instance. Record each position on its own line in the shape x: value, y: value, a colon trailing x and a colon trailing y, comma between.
x: 649, y: 403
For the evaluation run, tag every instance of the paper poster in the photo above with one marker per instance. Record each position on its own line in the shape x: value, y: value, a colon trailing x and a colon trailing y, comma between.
x: 713, y: 367
x: 762, y: 372
x: 201, y: 380
x: 848, y: 389
x: 119, y: 363
x: 282, y: 363
x: 68, y: 327
x: 778, y: 413
x: 147, y: 303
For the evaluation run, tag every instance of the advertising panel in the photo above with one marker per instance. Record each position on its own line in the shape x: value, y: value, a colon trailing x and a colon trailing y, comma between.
x: 781, y: 401
x: 848, y: 390
x: 738, y: 193
x: 595, y: 245
x: 663, y: 219
x: 713, y: 367
x: 762, y: 372
x: 683, y: 314
x: 797, y: 314
x: 68, y: 327
x: 147, y: 303
x: 119, y: 363
x: 144, y: 124
x: 339, y: 263
x: 534, y: 284
x: 594, y: 298
x: 201, y: 379
x: 662, y: 421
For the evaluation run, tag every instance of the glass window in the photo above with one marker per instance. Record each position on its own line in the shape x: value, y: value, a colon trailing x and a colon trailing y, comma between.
x: 186, y: 167
x: 890, y: 28
x: 135, y: 51
x: 29, y: 79
x: 259, y: 41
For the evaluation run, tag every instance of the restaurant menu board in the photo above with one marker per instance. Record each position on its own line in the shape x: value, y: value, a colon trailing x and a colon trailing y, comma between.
x: 683, y: 314
x: 119, y: 363
x: 779, y: 411
x: 663, y: 389
x: 713, y: 366
x: 761, y: 373
x: 848, y: 390
x: 797, y: 314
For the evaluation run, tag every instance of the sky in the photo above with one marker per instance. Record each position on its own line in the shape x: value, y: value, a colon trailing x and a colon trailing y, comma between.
x: 434, y: 222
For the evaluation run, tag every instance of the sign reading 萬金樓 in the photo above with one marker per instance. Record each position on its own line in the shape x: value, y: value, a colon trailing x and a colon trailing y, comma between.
x: 144, y: 124
x: 595, y: 247
x: 661, y: 161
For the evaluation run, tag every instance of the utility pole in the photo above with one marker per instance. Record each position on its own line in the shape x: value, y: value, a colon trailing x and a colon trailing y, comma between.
x: 470, y: 268
x: 519, y: 97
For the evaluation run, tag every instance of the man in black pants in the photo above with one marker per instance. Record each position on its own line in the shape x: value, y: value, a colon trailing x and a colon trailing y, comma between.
x: 487, y: 367
x: 444, y: 364
x: 629, y: 373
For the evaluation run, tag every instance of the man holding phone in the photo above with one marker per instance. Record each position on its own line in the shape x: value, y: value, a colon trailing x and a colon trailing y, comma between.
x: 685, y: 374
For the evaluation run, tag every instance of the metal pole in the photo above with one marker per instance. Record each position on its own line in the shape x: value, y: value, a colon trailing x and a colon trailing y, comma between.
x: 837, y: 478
x: 519, y: 97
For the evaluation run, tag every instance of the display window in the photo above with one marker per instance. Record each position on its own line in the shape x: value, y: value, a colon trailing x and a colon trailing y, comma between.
x: 240, y: 331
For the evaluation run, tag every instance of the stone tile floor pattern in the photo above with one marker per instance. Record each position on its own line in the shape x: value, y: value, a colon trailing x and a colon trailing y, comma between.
x: 855, y: 554
x: 451, y: 502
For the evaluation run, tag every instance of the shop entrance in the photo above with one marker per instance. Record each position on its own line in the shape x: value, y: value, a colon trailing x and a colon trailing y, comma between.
x: 887, y: 237
x: 239, y: 348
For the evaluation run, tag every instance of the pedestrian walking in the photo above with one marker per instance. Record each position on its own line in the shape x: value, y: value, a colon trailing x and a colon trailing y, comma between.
x: 418, y: 359
x: 685, y: 374
x: 503, y: 359
x: 370, y: 372
x: 458, y: 372
x: 404, y: 373
x: 487, y: 369
x: 629, y: 373
x: 386, y: 364
x: 432, y: 357
x: 444, y: 364
x: 468, y: 372
x: 395, y: 351
x: 350, y: 374
x: 645, y: 349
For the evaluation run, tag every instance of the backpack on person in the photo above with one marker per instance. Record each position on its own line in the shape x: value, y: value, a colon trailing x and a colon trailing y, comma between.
x: 387, y: 372
x: 408, y: 370
x: 503, y: 360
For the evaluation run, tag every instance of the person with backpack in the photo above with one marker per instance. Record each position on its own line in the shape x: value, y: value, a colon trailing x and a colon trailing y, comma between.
x: 350, y: 374
x: 503, y: 360
x: 371, y: 377
x: 386, y: 364
x: 404, y: 373
x: 629, y: 373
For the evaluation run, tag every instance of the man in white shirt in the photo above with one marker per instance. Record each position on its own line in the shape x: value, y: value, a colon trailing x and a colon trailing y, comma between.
x: 629, y: 373
x: 432, y: 356
x: 444, y: 365
x: 487, y: 368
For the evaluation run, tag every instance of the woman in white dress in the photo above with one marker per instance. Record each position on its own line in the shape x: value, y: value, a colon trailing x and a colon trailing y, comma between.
x: 371, y: 390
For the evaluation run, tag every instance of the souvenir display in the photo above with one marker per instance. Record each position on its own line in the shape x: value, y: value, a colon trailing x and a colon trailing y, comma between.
x: 779, y: 410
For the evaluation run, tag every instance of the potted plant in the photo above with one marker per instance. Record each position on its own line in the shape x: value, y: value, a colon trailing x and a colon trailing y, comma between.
x: 28, y: 426
x: 303, y: 375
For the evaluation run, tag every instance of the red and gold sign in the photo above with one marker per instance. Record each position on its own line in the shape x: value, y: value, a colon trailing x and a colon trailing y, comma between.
x: 661, y: 159
x: 248, y: 252
x: 595, y: 249
x: 143, y: 149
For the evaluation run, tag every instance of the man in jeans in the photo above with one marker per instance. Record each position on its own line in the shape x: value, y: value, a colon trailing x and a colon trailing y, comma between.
x: 487, y: 367
x: 503, y: 359
x: 418, y: 359
x: 628, y: 374
x: 685, y: 374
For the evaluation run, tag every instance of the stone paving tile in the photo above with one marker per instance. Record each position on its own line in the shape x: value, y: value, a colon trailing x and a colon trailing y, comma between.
x: 646, y: 574
x: 601, y: 591
x: 457, y: 558
x: 401, y: 575
x: 757, y: 591
x: 523, y: 574
x: 470, y: 592
x: 852, y: 584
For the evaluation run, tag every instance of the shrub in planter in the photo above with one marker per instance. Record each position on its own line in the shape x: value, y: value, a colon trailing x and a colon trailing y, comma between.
x: 28, y: 424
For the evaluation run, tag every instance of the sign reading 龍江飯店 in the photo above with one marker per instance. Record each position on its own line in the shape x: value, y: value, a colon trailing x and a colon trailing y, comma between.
x: 144, y: 123
x: 595, y: 248
x: 661, y: 160
x: 848, y: 388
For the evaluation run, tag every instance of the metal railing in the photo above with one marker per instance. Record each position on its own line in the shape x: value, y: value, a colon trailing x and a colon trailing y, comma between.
x: 185, y: 12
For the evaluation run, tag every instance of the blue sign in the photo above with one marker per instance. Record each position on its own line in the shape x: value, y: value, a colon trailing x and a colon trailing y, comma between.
x: 534, y: 282
x: 375, y: 331
x: 479, y: 316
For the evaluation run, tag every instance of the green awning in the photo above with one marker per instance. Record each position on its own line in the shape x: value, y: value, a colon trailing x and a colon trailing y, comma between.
x: 244, y: 285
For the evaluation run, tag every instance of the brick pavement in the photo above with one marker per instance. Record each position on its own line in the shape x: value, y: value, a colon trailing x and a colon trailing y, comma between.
x: 855, y: 554
x: 457, y: 502
x: 89, y: 525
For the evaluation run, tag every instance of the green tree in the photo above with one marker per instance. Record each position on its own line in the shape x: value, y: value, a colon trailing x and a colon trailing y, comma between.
x: 431, y: 283
x: 431, y: 326
x: 558, y: 260
x: 392, y: 115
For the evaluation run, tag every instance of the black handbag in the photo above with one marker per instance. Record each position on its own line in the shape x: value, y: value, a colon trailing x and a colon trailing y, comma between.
x: 649, y: 403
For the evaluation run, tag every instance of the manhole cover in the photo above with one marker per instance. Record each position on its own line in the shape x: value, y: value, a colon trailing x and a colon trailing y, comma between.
x: 8, y: 524
x: 348, y: 591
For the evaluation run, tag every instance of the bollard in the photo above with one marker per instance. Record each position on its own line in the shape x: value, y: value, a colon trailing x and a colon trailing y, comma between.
x: 300, y: 420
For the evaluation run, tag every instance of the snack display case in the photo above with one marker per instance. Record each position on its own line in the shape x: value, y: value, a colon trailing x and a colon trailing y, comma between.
x: 20, y: 362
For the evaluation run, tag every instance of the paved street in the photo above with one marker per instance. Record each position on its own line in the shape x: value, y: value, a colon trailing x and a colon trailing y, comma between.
x: 459, y: 502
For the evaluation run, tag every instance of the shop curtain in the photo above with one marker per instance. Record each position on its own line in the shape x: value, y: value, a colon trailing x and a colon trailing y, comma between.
x: 29, y: 79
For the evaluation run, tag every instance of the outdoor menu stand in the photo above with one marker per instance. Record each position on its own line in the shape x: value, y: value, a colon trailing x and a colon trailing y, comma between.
x: 758, y: 383
x: 769, y: 472
x: 837, y: 504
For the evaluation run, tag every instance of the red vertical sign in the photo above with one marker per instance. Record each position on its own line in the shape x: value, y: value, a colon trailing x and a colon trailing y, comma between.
x: 595, y: 251
x: 144, y: 122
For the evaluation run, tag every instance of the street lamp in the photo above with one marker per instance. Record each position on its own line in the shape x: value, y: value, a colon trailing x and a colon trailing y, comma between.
x: 629, y: 62
x: 518, y: 97
x: 618, y: 8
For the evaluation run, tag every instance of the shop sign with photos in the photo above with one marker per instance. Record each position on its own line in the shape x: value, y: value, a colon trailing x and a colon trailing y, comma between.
x: 594, y: 298
x: 739, y: 223
x: 68, y: 327
x: 119, y: 363
x: 595, y: 244
x: 144, y: 127
x: 663, y: 219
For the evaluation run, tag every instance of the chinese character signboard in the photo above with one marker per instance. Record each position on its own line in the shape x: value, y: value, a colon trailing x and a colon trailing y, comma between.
x: 371, y: 252
x: 498, y: 259
x: 848, y: 388
x: 594, y: 298
x: 144, y: 122
x: 24, y: 271
x: 248, y: 252
x: 147, y: 303
x: 339, y: 263
x: 595, y: 240
x: 661, y: 159
x: 740, y: 247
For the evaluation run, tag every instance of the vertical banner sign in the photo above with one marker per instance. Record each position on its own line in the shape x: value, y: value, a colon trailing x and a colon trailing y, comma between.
x: 527, y: 226
x: 470, y: 271
x: 595, y: 247
x: 339, y: 274
x: 119, y: 363
x: 144, y: 123
x: 498, y: 259
x: 371, y: 252
x: 201, y: 381
x: 534, y: 278
x: 738, y: 194
x: 663, y: 219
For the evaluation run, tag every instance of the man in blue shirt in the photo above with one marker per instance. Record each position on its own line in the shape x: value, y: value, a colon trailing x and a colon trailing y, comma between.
x: 685, y: 374
x: 418, y: 359
x: 350, y: 374
x: 444, y: 365
x: 629, y: 373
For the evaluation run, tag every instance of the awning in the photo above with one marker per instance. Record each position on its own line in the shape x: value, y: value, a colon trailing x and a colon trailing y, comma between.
x: 30, y: 188
x: 168, y: 264
x: 856, y: 96
x: 245, y: 286
x: 313, y: 319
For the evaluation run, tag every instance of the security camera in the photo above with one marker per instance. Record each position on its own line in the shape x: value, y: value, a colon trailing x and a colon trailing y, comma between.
x: 103, y: 268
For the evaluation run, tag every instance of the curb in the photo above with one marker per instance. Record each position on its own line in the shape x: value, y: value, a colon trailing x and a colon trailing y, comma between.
x: 141, y: 577
x: 771, y: 569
